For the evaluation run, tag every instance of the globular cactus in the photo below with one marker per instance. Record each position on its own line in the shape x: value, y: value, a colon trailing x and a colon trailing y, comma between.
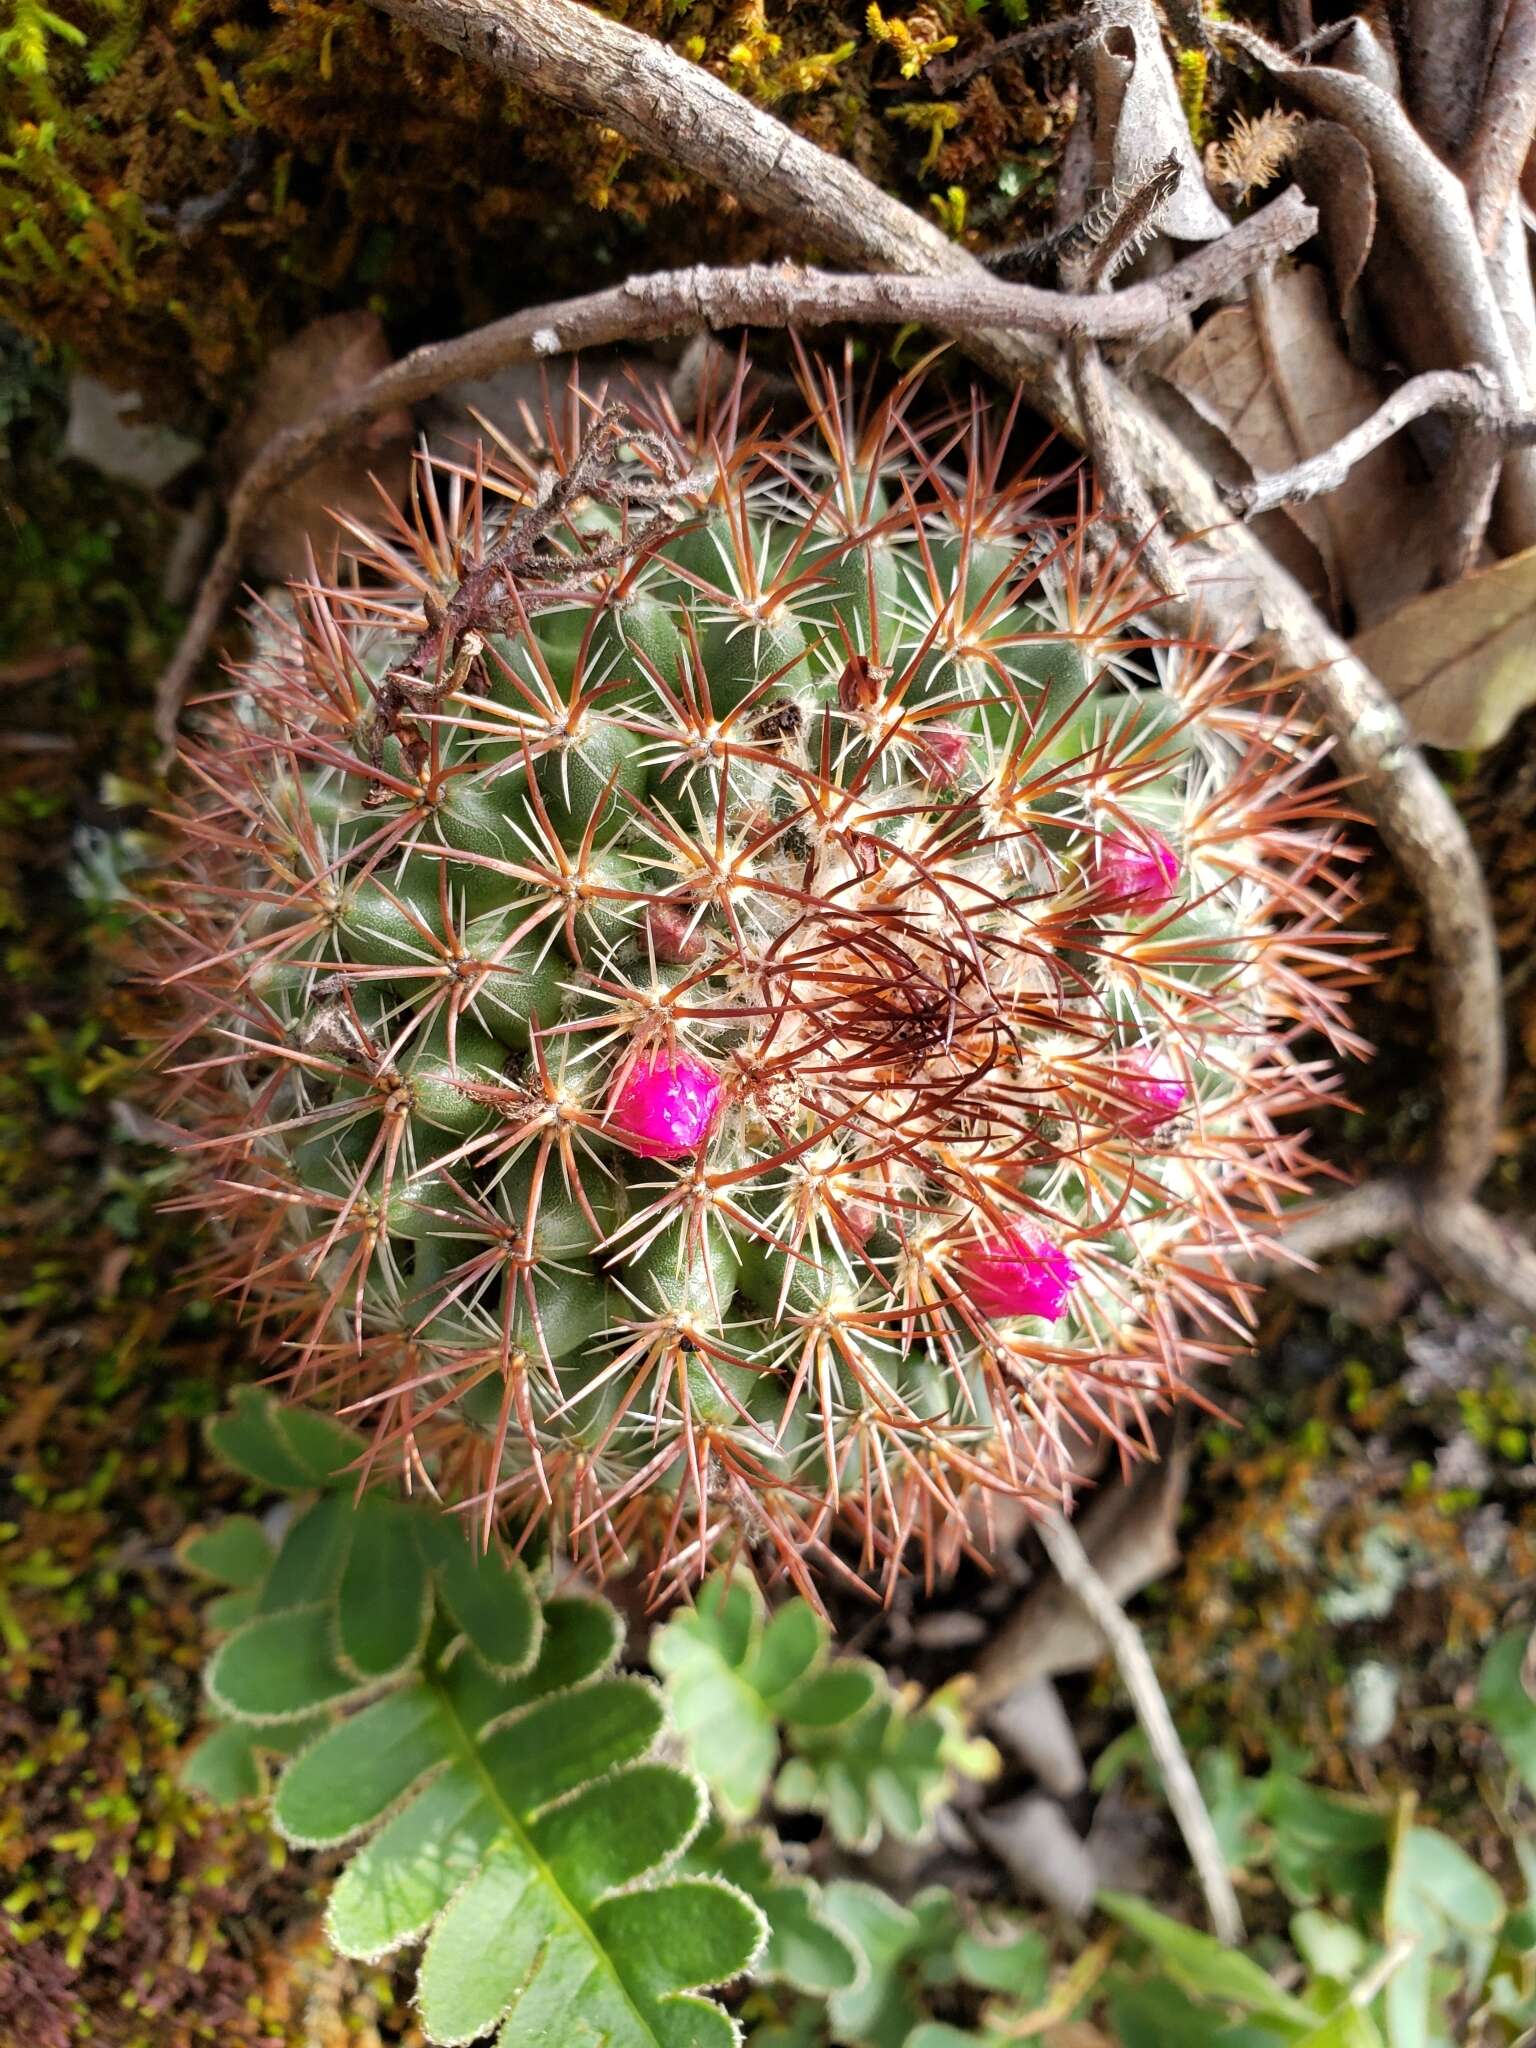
x: 733, y: 995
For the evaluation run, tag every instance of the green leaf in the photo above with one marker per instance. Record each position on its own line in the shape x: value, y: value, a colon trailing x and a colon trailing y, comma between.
x: 290, y: 1448
x: 1328, y: 1947
x: 384, y: 1601
x: 1202, y: 1965
x: 279, y: 1667
x: 890, y: 1767
x: 323, y: 1447
x: 1347, y: 2027
x: 1325, y: 1847
x: 490, y: 1598
x: 1506, y: 1706
x: 350, y: 1778
x: 224, y: 1767
x: 398, y: 1883
x: 794, y: 1640
x: 1233, y: 1802
x: 234, y: 1552
x: 879, y: 2008
x: 513, y: 1811
x: 1017, y: 1965
x: 1438, y: 1899
x: 310, y: 1557
x: 248, y: 1439
x: 501, y: 1793
x: 728, y: 1725
x: 1157, y: 2014
x: 230, y: 1610
x: 805, y: 1949
x: 834, y: 1697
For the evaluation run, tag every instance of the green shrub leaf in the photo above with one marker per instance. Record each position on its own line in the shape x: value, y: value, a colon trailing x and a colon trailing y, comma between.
x: 279, y: 1667
x: 1506, y: 1706
x: 494, y: 1771
x: 291, y: 1449
x: 384, y: 1601
x: 224, y: 1767
x: 234, y: 1552
x: 1202, y: 1965
x: 310, y: 1557
x: 355, y: 1773
x: 490, y: 1599
x: 805, y: 1949
x: 708, y: 1657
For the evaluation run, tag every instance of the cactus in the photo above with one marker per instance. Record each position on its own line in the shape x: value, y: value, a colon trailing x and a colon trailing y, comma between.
x: 732, y: 997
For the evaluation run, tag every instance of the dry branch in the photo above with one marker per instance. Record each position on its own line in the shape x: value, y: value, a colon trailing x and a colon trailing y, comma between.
x: 1463, y: 394
x: 1075, y: 1569
x: 1432, y: 216
x: 687, y: 301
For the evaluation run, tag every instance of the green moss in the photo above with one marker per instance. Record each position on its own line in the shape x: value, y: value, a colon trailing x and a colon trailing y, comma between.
x: 188, y: 181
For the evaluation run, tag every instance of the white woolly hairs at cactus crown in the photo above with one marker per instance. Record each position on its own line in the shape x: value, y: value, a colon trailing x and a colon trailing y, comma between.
x: 732, y: 995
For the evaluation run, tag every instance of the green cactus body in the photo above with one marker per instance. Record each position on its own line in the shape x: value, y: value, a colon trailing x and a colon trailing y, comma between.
x: 787, y: 1037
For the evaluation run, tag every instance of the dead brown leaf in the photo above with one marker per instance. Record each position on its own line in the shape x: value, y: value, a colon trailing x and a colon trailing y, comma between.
x: 1272, y: 375
x: 1462, y: 661
x: 1137, y: 121
x: 322, y: 361
x: 1334, y: 171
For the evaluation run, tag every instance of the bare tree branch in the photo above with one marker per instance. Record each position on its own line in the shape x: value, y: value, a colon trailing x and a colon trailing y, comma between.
x: 684, y: 301
x: 1075, y: 1569
x: 1481, y: 1253
x: 1464, y: 394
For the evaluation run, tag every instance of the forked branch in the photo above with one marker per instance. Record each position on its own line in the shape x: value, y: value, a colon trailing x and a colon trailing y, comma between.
x: 696, y: 300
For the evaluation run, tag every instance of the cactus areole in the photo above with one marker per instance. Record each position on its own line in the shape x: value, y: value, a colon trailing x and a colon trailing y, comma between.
x: 732, y: 995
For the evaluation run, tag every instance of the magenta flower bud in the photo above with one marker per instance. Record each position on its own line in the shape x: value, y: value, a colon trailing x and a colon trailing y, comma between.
x: 945, y: 753
x: 1143, y: 872
x: 1018, y: 1274
x: 1147, y: 1078
x: 666, y: 1105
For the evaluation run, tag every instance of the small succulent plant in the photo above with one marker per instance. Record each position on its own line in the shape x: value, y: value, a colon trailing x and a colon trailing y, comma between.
x: 733, y: 996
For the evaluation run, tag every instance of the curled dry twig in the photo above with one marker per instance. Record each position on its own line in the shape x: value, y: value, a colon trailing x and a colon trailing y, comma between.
x: 687, y: 301
x: 1463, y: 394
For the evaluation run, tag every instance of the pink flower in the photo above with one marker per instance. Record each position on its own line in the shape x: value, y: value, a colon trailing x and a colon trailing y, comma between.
x: 1144, y: 872
x: 1018, y: 1274
x: 666, y: 1105
x: 1148, y: 1079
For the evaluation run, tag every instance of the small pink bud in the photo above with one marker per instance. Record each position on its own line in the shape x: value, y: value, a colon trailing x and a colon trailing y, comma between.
x: 666, y: 1105
x: 1144, y: 872
x: 1148, y: 1079
x: 1016, y: 1275
x: 945, y: 753
x: 673, y: 936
